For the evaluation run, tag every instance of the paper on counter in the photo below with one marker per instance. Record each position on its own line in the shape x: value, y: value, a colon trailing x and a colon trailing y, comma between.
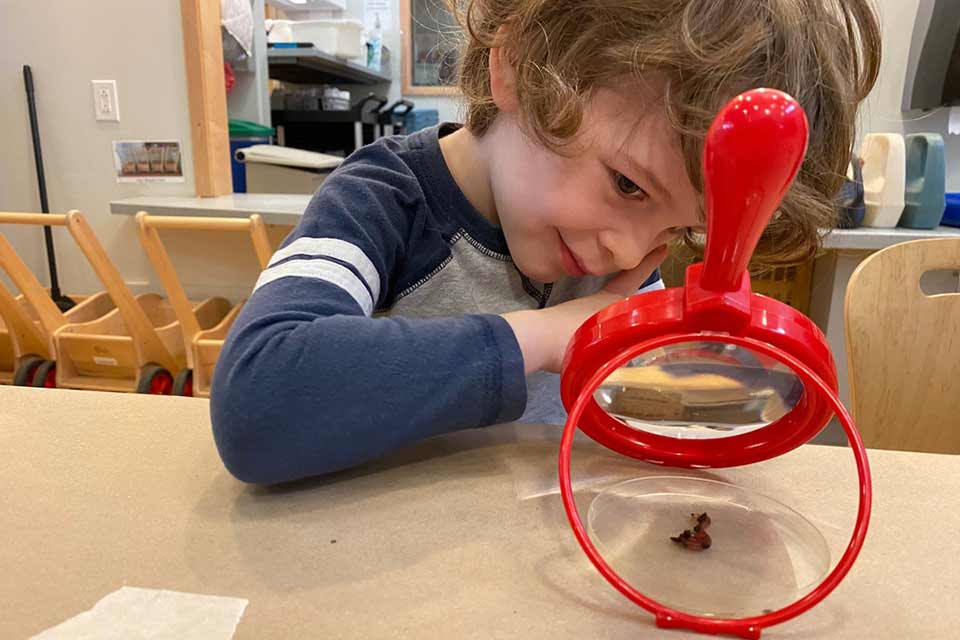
x: 130, y: 613
x: 953, y: 126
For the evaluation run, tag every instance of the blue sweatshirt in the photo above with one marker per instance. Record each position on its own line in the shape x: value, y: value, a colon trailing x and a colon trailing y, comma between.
x: 377, y: 324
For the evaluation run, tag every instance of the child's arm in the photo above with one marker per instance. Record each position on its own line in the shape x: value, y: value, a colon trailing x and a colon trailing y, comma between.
x: 308, y: 383
x: 543, y: 334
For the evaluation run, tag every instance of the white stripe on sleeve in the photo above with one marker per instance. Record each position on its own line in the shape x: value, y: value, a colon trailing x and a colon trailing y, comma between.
x: 320, y: 269
x: 334, y: 248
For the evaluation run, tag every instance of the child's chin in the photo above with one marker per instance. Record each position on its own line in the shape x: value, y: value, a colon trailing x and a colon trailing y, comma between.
x: 541, y: 273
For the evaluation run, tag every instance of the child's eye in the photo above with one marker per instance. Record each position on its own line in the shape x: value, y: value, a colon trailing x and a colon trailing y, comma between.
x: 627, y: 187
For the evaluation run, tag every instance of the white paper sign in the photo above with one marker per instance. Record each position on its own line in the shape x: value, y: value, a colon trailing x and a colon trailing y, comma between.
x: 148, y: 160
x: 374, y: 8
x: 953, y: 127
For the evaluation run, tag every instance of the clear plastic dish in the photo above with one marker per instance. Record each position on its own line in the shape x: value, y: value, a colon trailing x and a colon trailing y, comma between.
x: 764, y: 555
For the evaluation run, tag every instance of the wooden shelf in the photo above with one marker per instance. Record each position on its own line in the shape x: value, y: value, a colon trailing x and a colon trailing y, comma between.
x: 872, y: 239
x: 312, y: 66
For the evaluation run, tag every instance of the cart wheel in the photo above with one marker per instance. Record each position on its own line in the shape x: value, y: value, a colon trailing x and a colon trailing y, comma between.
x: 28, y: 367
x: 155, y: 381
x: 46, y: 375
x: 183, y: 383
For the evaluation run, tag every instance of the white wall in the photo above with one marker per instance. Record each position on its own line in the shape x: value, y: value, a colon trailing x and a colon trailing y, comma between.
x: 881, y: 113
x: 138, y: 43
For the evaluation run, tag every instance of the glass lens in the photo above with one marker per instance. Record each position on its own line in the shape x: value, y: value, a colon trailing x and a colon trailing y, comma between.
x: 704, y: 389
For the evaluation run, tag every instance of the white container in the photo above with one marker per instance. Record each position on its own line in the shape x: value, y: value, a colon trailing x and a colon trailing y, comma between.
x: 341, y: 38
x: 335, y: 100
x: 272, y: 169
x: 278, y: 31
x: 884, y: 179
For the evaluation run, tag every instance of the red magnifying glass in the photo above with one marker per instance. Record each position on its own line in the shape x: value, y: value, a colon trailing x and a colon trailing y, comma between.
x: 711, y: 375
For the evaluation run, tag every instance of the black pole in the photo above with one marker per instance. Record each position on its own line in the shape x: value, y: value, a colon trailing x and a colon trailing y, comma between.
x: 63, y: 302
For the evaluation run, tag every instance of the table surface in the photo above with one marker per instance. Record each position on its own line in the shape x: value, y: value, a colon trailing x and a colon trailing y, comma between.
x: 287, y: 209
x: 461, y: 536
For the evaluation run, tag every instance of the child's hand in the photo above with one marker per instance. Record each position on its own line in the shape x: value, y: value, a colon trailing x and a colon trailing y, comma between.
x: 543, y: 334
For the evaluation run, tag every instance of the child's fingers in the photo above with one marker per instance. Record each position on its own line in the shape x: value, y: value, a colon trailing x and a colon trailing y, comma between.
x: 626, y: 283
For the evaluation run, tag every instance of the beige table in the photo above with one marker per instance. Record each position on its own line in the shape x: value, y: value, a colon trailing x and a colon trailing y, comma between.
x: 440, y: 541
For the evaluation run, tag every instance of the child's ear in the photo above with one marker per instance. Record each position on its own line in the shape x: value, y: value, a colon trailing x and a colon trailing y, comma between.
x: 503, y: 77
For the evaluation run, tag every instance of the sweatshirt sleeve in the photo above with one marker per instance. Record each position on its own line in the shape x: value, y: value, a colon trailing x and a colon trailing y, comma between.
x: 308, y: 382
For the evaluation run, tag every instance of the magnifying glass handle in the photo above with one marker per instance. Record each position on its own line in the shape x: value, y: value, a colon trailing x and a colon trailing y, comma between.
x: 753, y: 151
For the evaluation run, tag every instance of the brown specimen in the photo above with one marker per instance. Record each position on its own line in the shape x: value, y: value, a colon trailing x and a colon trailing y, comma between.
x: 696, y: 539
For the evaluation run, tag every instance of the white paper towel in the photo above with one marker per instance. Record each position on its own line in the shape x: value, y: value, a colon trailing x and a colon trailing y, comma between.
x: 287, y: 157
x: 130, y: 613
x: 236, y: 16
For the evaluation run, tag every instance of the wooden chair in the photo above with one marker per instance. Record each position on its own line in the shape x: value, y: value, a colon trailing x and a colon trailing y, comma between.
x: 903, y: 349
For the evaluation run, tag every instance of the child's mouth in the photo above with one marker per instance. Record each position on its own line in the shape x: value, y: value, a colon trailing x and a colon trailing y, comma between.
x: 570, y: 263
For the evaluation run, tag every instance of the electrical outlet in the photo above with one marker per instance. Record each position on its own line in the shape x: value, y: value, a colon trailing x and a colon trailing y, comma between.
x: 106, y: 106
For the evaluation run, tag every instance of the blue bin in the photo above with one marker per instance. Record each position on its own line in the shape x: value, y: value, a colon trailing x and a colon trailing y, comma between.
x: 926, y: 182
x: 417, y: 119
x: 850, y: 201
x: 239, y: 170
x: 951, y: 217
x: 245, y: 134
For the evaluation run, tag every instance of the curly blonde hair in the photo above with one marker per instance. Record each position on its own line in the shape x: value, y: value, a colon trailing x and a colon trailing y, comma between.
x: 825, y: 53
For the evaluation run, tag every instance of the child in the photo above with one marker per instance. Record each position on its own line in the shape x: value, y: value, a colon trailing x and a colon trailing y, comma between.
x: 435, y: 279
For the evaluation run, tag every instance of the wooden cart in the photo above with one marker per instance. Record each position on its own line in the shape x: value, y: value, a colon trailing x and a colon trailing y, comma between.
x: 29, y: 321
x: 138, y: 346
x: 19, y: 337
x: 203, y: 342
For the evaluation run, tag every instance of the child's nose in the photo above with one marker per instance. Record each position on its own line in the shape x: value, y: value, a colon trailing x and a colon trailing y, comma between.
x: 627, y: 249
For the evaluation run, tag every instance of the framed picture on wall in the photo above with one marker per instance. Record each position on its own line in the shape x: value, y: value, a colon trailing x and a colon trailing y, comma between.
x: 431, y: 38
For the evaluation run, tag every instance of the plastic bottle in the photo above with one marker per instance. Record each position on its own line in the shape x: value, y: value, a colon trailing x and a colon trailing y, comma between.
x: 375, y: 47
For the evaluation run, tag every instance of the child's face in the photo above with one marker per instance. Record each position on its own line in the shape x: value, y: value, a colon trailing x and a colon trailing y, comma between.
x: 622, y: 192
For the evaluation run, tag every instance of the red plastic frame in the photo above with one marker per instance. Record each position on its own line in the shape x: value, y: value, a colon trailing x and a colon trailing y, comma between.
x: 667, y: 312
x: 753, y: 150
x: 669, y: 618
